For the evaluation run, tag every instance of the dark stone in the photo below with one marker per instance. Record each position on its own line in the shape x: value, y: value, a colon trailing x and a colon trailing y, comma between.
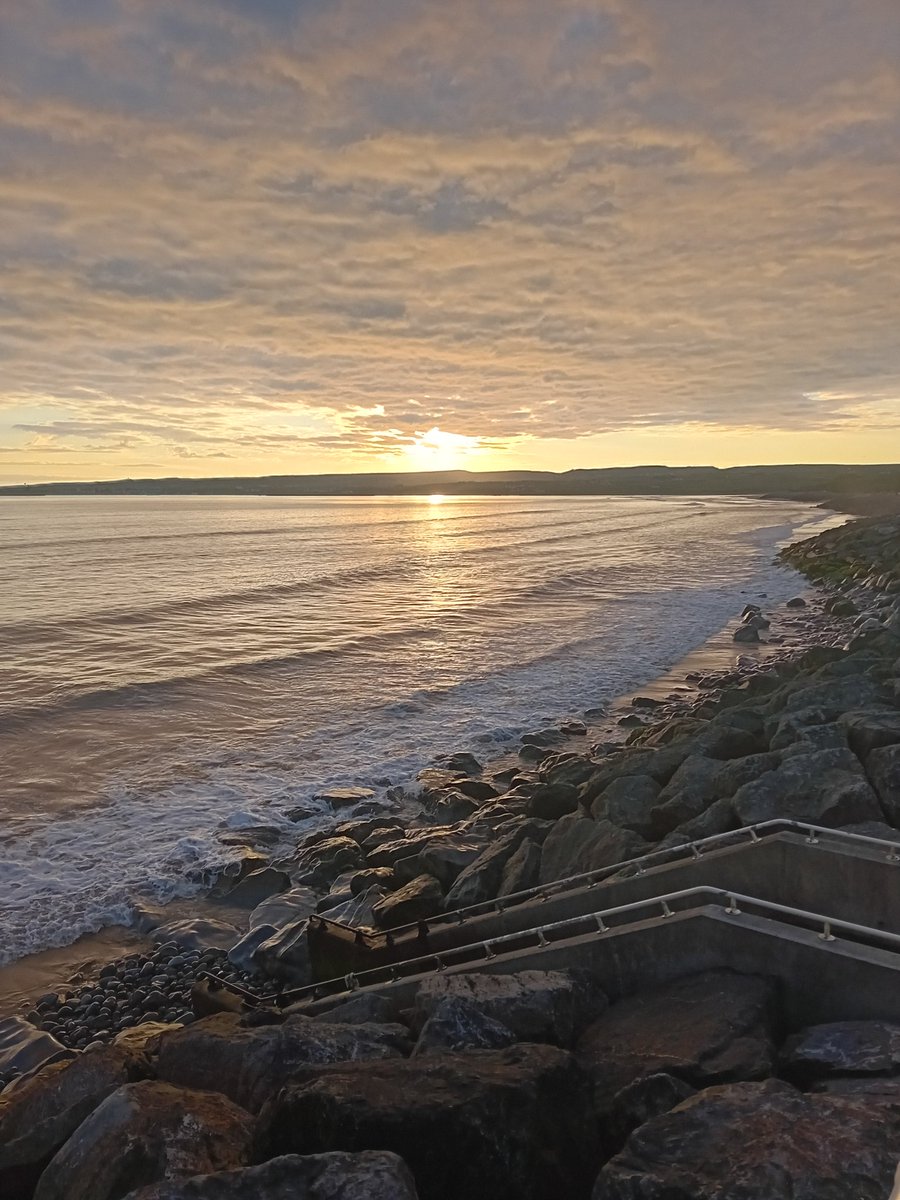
x: 640, y: 1102
x: 883, y: 770
x: 827, y: 787
x: 319, y: 864
x: 249, y: 1065
x: 796, y: 602
x: 458, y: 1024
x: 481, y: 879
x: 370, y: 1175
x: 462, y: 762
x: 143, y: 1133
x: 417, y: 901
x: 841, y: 1048
x: 465, y: 1124
x: 628, y: 802
x: 477, y: 789
x: 536, y: 1006
x: 760, y: 1141
x: 522, y: 870
x: 549, y: 801
x: 706, y: 1028
x: 578, y: 844
x: 41, y: 1112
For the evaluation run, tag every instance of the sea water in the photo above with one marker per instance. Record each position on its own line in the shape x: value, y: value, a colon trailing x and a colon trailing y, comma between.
x: 174, y: 668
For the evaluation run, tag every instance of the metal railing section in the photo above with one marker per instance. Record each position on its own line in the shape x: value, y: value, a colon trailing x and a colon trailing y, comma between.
x: 541, y: 937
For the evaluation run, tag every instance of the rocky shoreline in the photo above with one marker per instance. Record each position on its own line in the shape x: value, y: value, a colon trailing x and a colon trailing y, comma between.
x: 810, y: 734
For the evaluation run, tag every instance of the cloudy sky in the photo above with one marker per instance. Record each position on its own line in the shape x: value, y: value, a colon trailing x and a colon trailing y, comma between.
x: 246, y: 236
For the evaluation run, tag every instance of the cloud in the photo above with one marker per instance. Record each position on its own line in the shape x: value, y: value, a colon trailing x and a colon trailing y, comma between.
x: 239, y: 225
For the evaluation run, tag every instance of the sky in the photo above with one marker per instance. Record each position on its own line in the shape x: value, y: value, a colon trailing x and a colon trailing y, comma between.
x: 289, y: 236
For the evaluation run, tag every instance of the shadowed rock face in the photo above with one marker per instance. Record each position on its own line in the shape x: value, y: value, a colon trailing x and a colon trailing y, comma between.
x: 485, y: 1125
x: 40, y: 1113
x: 704, y: 1028
x: 249, y: 1064
x: 842, y: 1048
x: 144, y: 1133
x: 760, y: 1141
x: 372, y: 1175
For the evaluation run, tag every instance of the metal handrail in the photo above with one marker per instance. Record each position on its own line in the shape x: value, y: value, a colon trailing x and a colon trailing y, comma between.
x: 595, y: 924
x: 671, y: 854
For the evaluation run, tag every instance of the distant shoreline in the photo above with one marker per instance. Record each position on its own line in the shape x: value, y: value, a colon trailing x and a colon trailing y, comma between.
x: 814, y: 483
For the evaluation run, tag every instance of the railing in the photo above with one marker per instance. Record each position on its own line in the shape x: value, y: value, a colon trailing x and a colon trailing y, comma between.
x: 542, y: 937
x: 750, y: 834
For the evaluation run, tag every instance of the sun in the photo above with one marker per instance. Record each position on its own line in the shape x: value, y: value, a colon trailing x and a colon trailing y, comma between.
x: 437, y: 450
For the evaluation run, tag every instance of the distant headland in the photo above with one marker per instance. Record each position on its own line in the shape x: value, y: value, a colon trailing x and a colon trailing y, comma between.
x: 813, y: 482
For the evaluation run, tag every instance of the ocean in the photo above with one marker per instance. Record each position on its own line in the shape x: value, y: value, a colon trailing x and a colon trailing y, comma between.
x: 173, y: 669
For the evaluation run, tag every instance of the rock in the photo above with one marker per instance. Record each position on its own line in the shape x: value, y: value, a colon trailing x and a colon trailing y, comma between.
x: 382, y: 877
x: 577, y: 844
x: 522, y: 870
x: 567, y: 768
x: 446, y: 859
x: 197, y: 933
x: 536, y: 1006
x: 796, y: 602
x: 745, y: 633
x: 629, y: 802
x: 41, y: 1112
x: 544, y: 739
x: 458, y: 1024
x: 451, y: 806
x: 285, y: 954
x: 319, y: 864
x: 640, y: 1102
x: 357, y: 911
x: 481, y: 879
x: 243, y: 953
x: 255, y: 887
x: 464, y: 1123
x: 23, y: 1048
x: 388, y: 853
x: 461, y: 762
x: 250, y: 1064
x: 826, y: 787
x: 548, y: 801
x: 144, y: 1132
x: 141, y: 1042
x: 419, y: 900
x: 370, y: 1175
x: 646, y: 702
x: 760, y: 1141
x: 367, y: 1008
x: 285, y: 908
x: 841, y: 1048
x: 360, y: 830
x: 868, y: 730
x: 434, y: 778
x: 883, y: 769
x: 477, y: 789
x: 843, y: 607
x: 344, y: 797
x: 705, y: 1028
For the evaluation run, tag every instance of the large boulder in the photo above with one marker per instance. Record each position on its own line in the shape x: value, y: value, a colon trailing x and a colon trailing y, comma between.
x: 447, y: 858
x: 883, y: 769
x: 417, y: 901
x: 280, y: 910
x: 248, y: 1063
x: 458, y: 1024
x: 319, y: 864
x: 629, y: 802
x: 577, y: 844
x: 38, y: 1114
x: 522, y: 871
x: 283, y: 954
x: 197, y: 933
x: 24, y: 1047
x: 871, y: 729
x: 760, y: 1141
x: 826, y: 787
x: 706, y: 1028
x: 481, y: 879
x: 370, y: 1175
x: 537, y: 1006
x: 485, y: 1125
x: 841, y: 1048
x: 143, y: 1133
